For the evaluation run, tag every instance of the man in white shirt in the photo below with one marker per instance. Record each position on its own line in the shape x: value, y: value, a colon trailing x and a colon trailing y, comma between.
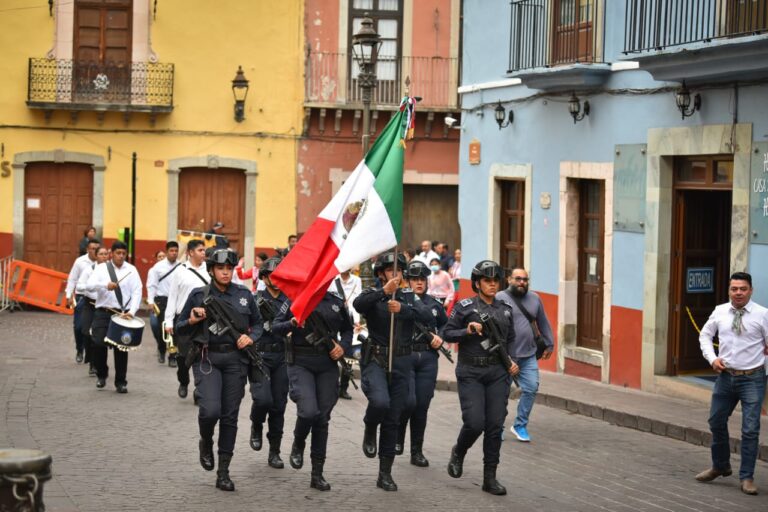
x: 193, y: 274
x: 158, y: 285
x: 348, y: 286
x: 114, y: 294
x: 89, y: 306
x: 742, y: 330
x: 73, y: 298
x: 427, y: 254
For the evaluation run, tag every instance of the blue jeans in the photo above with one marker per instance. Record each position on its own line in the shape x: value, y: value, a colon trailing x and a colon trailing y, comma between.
x: 730, y: 390
x: 529, y: 385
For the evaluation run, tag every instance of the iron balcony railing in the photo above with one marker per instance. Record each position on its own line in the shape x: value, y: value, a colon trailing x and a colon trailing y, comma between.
x: 331, y: 77
x: 137, y: 86
x: 658, y: 24
x: 546, y: 33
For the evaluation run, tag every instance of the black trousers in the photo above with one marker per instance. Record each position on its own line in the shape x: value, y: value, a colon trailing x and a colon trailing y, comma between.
x: 220, y: 385
x: 271, y: 396
x: 483, y: 395
x: 100, y: 349
x: 86, y: 322
x: 422, y: 390
x: 314, y: 387
x: 77, y: 324
x: 156, y: 323
x: 386, y: 402
x: 184, y: 345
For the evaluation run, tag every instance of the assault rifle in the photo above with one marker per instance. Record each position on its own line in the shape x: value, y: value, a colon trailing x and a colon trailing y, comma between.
x: 494, y: 343
x: 322, y: 334
x: 267, y: 311
x: 223, y: 323
x: 424, y: 335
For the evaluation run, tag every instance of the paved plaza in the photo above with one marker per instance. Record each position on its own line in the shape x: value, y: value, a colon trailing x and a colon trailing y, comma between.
x: 139, y: 451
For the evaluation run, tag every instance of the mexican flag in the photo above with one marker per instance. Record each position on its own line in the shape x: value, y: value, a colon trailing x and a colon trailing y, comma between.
x: 362, y: 220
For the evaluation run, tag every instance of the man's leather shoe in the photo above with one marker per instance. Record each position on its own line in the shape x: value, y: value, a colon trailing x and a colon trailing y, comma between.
x: 456, y: 464
x: 161, y: 358
x: 398, y: 448
x: 121, y: 388
x: 256, y: 437
x: 712, y: 473
x: 172, y: 361
x: 79, y: 357
x: 297, y: 454
x: 92, y: 371
x: 418, y: 459
x: 748, y: 487
x: 369, y: 441
x: 206, y: 455
x: 182, y: 391
x: 344, y: 394
x: 100, y: 383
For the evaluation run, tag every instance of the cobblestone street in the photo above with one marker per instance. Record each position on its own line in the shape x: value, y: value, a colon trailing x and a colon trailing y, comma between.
x: 139, y: 451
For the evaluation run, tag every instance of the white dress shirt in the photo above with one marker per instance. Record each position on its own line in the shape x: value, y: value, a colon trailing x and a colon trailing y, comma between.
x: 81, y: 287
x: 184, y: 281
x: 156, y: 287
x: 352, y: 288
x: 80, y: 264
x: 426, y: 257
x: 743, y: 351
x: 129, y: 283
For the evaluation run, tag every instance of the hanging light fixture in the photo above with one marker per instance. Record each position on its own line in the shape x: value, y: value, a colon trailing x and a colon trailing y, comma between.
x: 683, y: 100
x: 574, y: 107
x: 500, y: 113
x: 240, y: 91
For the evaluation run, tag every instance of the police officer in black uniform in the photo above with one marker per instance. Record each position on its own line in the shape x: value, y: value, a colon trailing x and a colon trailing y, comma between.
x: 483, y: 380
x: 313, y: 374
x: 424, y: 358
x: 270, y: 396
x: 387, y: 398
x: 221, y: 366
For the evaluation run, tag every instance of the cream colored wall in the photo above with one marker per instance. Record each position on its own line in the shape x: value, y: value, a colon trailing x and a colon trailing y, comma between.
x: 205, y: 42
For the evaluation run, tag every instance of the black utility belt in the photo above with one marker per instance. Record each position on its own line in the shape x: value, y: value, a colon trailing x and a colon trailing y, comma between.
x: 221, y: 347
x: 309, y: 350
x: 383, y: 350
x: 270, y: 347
x: 481, y: 361
x: 420, y: 347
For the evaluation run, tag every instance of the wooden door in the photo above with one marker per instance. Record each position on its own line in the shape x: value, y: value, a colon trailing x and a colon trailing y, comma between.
x: 210, y: 195
x: 572, y: 31
x: 512, y: 223
x: 591, y: 253
x: 58, y: 208
x: 700, y: 267
x: 102, y: 50
x: 431, y: 212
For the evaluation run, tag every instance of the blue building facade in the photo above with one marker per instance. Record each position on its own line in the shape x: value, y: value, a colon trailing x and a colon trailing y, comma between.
x: 630, y: 213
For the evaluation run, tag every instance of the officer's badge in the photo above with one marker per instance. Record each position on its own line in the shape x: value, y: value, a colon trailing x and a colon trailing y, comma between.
x: 506, y: 314
x: 243, y: 301
x: 335, y: 308
x: 434, y: 312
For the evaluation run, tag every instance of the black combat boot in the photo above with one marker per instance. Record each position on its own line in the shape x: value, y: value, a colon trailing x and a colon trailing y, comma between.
x: 385, y: 474
x: 369, y: 441
x: 256, y: 440
x: 318, y: 482
x: 456, y: 464
x: 297, y: 454
x: 274, y: 459
x: 418, y: 458
x: 222, y: 474
x: 490, y: 484
x: 400, y: 444
x: 206, y: 454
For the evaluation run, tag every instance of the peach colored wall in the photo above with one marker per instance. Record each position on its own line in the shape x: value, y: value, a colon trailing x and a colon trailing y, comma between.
x: 431, y: 29
x: 321, y: 25
x: 626, y: 346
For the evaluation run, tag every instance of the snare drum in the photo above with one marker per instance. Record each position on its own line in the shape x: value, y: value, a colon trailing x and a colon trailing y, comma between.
x: 124, y: 333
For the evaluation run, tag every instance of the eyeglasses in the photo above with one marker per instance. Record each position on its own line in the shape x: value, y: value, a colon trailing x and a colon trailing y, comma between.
x: 523, y: 279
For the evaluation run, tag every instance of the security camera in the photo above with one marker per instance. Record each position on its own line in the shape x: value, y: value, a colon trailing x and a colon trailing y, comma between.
x: 450, y: 121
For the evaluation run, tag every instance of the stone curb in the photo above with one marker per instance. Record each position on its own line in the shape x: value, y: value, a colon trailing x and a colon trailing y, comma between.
x: 684, y: 433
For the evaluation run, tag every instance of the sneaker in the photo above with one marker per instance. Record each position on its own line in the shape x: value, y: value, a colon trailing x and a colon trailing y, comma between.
x: 521, y: 433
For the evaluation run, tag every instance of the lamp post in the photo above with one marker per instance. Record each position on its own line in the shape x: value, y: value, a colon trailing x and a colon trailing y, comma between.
x: 365, y: 47
x: 240, y: 92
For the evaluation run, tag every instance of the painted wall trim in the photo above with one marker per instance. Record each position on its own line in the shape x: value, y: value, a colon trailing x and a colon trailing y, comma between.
x: 663, y: 145
x: 20, y: 161
x: 495, y: 84
x: 502, y: 172
x: 249, y: 167
x: 338, y: 176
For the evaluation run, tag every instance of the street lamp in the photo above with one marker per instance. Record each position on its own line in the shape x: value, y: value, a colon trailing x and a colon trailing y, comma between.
x: 240, y: 91
x: 683, y: 100
x: 365, y: 47
x: 574, y: 107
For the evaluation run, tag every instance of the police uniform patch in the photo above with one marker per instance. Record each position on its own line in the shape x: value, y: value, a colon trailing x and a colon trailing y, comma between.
x: 243, y: 301
x: 506, y: 313
x: 434, y: 312
x: 335, y: 308
x: 466, y: 303
x: 284, y: 308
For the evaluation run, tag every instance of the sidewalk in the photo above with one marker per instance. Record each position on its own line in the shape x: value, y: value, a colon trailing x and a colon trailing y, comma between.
x: 676, y: 418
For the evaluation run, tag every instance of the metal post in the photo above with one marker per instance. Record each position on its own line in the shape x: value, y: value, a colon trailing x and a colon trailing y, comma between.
x: 367, y: 81
x: 132, y: 239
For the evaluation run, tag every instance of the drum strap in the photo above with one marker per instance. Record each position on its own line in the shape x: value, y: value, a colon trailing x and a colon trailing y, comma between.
x: 118, y: 291
x: 169, y: 272
x: 198, y: 275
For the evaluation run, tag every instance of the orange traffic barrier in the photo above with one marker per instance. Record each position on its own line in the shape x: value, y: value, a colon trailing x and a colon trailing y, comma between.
x: 38, y: 286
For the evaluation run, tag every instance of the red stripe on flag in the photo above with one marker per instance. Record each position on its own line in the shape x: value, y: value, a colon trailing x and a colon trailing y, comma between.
x: 305, y: 274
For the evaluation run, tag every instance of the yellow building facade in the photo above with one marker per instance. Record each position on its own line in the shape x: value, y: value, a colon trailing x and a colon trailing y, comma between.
x: 90, y: 83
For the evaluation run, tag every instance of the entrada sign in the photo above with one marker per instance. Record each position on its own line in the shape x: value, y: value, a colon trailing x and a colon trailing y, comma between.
x: 700, y: 280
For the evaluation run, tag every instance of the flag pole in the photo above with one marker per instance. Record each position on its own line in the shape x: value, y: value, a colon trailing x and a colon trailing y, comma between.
x: 392, y: 326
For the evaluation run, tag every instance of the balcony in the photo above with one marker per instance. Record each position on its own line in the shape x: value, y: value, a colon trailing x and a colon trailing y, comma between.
x: 60, y: 84
x: 328, y: 82
x: 557, y: 44
x: 698, y: 40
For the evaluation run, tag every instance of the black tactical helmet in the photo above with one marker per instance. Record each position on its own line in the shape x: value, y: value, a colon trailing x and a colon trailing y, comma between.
x: 388, y: 260
x: 269, y: 266
x: 417, y: 268
x: 220, y: 257
x: 486, y: 268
